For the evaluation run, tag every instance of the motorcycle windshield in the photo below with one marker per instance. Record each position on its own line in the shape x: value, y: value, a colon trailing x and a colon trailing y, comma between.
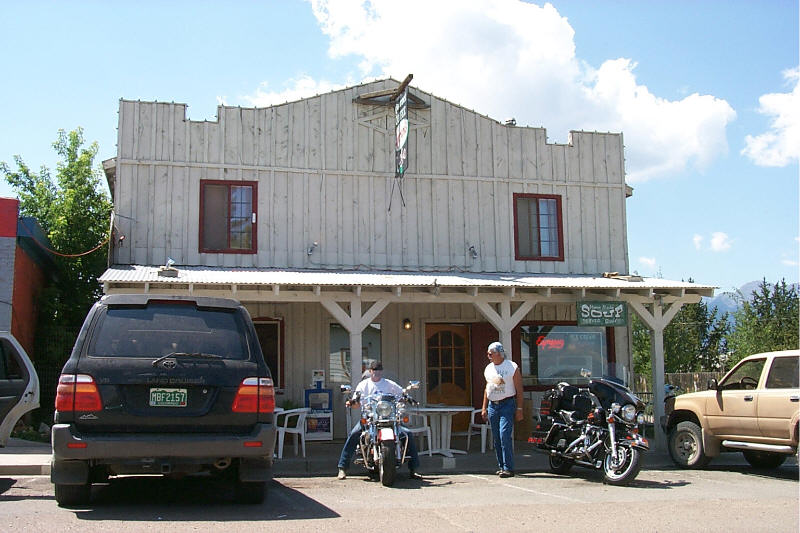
x: 608, y: 392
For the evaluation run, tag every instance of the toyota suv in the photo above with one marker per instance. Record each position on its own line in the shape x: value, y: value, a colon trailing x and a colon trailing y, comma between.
x: 753, y: 409
x: 165, y: 385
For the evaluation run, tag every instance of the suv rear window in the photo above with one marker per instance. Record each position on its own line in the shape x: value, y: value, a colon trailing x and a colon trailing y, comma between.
x: 159, y: 329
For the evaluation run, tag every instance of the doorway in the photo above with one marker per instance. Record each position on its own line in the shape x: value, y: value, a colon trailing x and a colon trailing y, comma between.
x: 269, y: 333
x: 448, y: 373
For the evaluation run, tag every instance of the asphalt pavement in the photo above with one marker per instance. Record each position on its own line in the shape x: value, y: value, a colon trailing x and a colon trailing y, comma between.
x: 21, y: 457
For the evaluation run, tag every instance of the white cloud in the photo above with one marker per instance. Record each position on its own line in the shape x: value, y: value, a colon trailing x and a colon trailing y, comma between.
x: 506, y: 58
x: 294, y: 89
x: 720, y: 241
x: 649, y: 262
x: 790, y: 262
x: 698, y: 241
x: 780, y: 145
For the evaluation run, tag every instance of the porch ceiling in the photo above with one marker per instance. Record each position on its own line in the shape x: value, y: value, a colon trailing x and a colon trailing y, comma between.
x: 249, y: 284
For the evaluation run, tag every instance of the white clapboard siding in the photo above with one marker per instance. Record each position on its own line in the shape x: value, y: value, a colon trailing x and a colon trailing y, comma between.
x: 324, y: 170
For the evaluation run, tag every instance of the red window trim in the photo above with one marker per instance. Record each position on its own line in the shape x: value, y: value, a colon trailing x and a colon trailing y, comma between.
x: 229, y: 183
x: 557, y: 198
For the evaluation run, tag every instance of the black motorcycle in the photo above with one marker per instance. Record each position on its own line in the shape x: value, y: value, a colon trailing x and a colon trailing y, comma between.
x: 595, y: 427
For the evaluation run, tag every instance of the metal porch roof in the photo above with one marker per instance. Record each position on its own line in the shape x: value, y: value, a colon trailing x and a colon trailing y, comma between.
x: 197, y: 275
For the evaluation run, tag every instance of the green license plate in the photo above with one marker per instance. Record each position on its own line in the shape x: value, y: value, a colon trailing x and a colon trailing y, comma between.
x: 167, y: 397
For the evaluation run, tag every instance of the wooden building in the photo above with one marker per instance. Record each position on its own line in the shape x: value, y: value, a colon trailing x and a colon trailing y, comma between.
x: 294, y: 210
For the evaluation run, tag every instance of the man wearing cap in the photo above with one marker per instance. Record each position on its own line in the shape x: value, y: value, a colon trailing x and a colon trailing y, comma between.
x: 375, y: 383
x: 502, y: 404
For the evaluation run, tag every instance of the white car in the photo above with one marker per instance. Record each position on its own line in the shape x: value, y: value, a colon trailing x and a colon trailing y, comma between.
x: 19, y: 385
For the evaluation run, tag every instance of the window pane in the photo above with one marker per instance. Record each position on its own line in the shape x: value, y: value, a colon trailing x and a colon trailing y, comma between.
x: 783, y: 374
x: 215, y: 217
x: 241, y: 213
x: 548, y: 228
x: 750, y: 369
x: 558, y: 353
x: 524, y: 227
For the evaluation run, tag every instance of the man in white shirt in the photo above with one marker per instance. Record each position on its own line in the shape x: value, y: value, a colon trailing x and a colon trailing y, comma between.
x: 502, y: 404
x: 375, y: 383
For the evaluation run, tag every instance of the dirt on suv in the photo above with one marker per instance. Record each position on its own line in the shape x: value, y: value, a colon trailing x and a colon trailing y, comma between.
x: 753, y: 409
x: 164, y: 385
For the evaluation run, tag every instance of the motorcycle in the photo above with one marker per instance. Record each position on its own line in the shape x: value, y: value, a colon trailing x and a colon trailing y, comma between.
x: 381, y: 449
x: 595, y: 427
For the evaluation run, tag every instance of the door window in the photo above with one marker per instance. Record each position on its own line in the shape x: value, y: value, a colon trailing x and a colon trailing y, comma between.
x: 783, y: 374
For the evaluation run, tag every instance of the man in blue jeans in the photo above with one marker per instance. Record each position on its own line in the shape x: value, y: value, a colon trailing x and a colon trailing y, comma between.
x: 367, y: 387
x: 502, y: 404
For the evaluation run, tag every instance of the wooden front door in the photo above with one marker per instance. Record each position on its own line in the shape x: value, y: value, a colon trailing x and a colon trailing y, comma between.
x: 448, y: 368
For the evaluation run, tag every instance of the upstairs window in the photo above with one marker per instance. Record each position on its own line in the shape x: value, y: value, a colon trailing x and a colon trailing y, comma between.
x: 538, y: 232
x: 228, y: 216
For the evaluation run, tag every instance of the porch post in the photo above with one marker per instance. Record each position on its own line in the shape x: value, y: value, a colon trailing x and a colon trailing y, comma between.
x: 354, y: 322
x: 505, y: 320
x: 656, y: 321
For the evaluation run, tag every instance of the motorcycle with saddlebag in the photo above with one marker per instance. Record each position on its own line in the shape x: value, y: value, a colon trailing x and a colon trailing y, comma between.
x: 382, y: 447
x: 595, y: 427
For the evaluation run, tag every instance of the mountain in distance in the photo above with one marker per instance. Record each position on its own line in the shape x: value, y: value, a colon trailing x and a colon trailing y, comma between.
x: 726, y: 301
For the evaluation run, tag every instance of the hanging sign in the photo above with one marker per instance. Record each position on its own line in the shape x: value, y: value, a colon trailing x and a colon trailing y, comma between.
x: 401, y: 134
x: 602, y: 313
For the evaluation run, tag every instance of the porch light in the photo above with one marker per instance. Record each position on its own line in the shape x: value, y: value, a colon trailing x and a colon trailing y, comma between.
x: 407, y: 324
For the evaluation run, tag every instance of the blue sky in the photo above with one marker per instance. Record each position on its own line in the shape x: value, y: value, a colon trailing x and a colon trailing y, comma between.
x: 705, y: 93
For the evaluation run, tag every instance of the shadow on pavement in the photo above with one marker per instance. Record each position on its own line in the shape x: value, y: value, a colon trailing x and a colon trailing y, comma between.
x: 154, y: 499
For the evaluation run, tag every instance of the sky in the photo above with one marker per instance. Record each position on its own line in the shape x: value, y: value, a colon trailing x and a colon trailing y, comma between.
x: 705, y: 93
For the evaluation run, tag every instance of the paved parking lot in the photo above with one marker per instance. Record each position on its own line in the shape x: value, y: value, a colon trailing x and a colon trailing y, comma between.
x: 726, y: 497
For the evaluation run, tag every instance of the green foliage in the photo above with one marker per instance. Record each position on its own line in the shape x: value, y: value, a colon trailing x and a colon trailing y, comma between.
x: 694, y: 341
x: 766, y: 323
x: 74, y: 211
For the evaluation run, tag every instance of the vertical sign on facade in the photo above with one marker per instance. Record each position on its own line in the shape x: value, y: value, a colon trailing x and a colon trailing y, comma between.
x: 401, y: 134
x: 400, y: 142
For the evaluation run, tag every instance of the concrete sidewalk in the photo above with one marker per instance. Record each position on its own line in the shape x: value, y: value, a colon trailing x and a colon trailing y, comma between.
x: 22, y: 457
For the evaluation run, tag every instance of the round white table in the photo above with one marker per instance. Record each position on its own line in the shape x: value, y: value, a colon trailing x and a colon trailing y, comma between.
x: 441, y: 422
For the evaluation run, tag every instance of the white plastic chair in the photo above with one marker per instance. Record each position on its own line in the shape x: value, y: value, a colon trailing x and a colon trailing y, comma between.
x: 421, y: 428
x: 476, y: 424
x: 299, y: 430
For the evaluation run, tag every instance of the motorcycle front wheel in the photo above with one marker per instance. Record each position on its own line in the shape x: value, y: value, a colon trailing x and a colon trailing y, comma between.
x: 624, y: 469
x: 388, y: 466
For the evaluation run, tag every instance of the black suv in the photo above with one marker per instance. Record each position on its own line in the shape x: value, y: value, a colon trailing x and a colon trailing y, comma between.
x: 164, y: 385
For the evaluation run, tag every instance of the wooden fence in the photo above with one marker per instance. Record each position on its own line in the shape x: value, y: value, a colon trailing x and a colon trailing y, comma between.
x: 688, y: 382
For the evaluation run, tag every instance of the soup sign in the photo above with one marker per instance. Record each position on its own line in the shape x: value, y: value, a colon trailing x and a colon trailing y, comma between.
x: 602, y: 313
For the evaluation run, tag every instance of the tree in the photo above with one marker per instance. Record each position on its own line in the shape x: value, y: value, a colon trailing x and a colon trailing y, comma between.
x: 694, y: 341
x: 74, y: 212
x: 768, y: 322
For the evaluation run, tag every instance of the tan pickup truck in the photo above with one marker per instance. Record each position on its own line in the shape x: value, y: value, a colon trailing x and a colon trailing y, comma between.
x: 753, y: 409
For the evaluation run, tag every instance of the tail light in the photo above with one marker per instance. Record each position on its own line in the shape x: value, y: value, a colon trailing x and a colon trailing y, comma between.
x: 255, y: 395
x: 77, y: 392
x: 545, y: 406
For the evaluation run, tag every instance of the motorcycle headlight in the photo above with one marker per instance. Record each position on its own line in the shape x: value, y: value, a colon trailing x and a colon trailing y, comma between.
x: 384, y: 409
x: 640, y: 418
x: 629, y: 412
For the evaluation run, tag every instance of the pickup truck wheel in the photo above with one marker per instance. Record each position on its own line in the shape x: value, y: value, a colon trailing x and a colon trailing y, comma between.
x: 72, y: 495
x: 685, y: 445
x: 765, y: 460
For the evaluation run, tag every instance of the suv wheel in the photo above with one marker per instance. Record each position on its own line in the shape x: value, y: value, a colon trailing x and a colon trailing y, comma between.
x: 70, y: 495
x: 686, y: 446
x: 251, y: 492
x: 764, y: 459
